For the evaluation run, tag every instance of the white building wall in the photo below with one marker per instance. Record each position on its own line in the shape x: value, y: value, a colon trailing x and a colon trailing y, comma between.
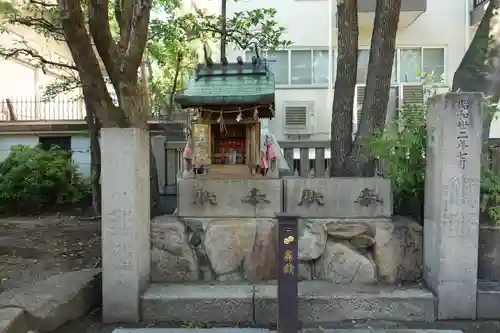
x: 24, y: 84
x: 443, y: 25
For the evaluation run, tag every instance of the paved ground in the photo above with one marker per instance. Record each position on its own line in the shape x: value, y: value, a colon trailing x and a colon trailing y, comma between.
x: 33, y: 249
x: 92, y: 324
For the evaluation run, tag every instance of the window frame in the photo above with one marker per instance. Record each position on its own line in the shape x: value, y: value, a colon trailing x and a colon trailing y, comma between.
x: 397, y: 67
x: 45, y: 144
x: 422, y: 48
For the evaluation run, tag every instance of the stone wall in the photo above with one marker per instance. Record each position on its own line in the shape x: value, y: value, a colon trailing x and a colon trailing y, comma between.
x: 245, y: 249
x: 226, y: 231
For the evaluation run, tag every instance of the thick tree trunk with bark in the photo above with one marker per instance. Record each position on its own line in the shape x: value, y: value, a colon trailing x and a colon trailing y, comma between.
x: 374, y: 111
x: 121, y: 59
x: 345, y: 85
x: 479, y: 70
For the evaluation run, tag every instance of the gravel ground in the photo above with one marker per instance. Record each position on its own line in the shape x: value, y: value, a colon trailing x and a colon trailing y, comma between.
x: 92, y: 324
x: 33, y: 249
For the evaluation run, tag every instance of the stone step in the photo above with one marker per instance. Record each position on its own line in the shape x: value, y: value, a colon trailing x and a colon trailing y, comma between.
x: 13, y: 320
x: 256, y: 330
x: 488, y: 299
x: 319, y: 302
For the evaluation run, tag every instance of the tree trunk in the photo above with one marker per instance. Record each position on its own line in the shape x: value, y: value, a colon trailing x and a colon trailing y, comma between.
x: 345, y: 85
x: 154, y: 190
x: 174, y: 85
x: 378, y: 83
x: 479, y: 70
x: 223, y: 29
x: 95, y: 158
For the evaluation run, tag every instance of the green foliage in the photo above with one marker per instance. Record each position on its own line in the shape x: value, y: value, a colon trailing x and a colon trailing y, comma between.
x: 33, y: 179
x: 175, y: 36
x: 490, y: 195
x: 402, y: 147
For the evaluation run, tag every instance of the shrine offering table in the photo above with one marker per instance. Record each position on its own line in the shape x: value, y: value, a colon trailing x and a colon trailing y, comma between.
x: 229, y: 172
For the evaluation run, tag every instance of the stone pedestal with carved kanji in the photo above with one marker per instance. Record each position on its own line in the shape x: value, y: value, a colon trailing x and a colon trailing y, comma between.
x: 451, y: 226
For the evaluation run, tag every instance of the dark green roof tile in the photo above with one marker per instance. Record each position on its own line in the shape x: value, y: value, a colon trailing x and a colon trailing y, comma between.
x: 231, y: 84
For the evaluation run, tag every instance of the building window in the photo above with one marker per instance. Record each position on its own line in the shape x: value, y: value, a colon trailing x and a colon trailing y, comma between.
x: 433, y: 64
x: 410, y: 65
x: 49, y: 142
x: 320, y: 67
x: 363, y: 59
x: 310, y: 67
x: 278, y: 62
x: 417, y: 61
x: 301, y: 67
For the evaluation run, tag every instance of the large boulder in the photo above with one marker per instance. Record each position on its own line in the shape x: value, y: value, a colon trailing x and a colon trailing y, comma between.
x: 172, y: 258
x: 227, y: 243
x: 341, y: 264
x: 312, y: 240
x: 261, y: 263
x: 398, y: 250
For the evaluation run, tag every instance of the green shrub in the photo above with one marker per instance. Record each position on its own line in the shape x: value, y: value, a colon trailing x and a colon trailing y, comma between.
x: 402, y: 147
x: 33, y: 180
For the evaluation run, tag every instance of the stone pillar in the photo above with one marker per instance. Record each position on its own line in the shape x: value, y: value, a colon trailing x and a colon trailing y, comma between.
x: 125, y: 222
x: 451, y: 224
x: 158, y: 147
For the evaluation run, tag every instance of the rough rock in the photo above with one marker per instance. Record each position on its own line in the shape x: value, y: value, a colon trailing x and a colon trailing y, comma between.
x: 305, y: 270
x: 343, y: 265
x: 312, y: 240
x: 53, y: 302
x: 13, y: 320
x: 398, y: 250
x: 348, y: 230
x: 261, y: 262
x: 227, y: 242
x: 489, y: 253
x: 362, y: 242
x: 172, y: 258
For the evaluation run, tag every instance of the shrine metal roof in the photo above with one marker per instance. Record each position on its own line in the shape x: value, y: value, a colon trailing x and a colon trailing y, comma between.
x: 231, y: 84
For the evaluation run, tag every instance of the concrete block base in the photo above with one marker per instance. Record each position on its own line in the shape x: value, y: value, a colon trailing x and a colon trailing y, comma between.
x: 319, y: 303
x: 323, y: 302
x: 223, y: 304
x: 258, y: 330
x: 488, y: 299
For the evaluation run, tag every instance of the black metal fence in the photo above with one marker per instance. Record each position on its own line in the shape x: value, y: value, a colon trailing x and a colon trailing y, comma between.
x: 477, y: 3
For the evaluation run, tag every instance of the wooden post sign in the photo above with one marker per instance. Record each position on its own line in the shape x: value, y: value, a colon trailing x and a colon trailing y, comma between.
x: 288, y: 317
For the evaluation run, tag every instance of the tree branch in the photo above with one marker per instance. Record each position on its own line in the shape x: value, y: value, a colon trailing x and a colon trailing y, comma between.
x: 73, y: 23
x: 101, y: 34
x: 41, y: 62
x: 135, y: 20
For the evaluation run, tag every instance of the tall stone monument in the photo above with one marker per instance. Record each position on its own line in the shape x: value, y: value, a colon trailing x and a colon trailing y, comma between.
x: 125, y: 221
x: 451, y: 225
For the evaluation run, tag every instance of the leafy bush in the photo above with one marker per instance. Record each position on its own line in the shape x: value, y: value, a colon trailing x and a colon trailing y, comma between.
x: 490, y: 196
x: 33, y: 179
x: 402, y: 148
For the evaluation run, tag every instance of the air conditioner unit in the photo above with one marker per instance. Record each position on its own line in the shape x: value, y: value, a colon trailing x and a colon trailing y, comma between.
x: 392, y: 103
x: 297, y: 117
x: 358, y: 102
x: 411, y: 94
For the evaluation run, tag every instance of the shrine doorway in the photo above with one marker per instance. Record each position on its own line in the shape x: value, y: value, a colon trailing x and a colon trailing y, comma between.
x: 229, y: 144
